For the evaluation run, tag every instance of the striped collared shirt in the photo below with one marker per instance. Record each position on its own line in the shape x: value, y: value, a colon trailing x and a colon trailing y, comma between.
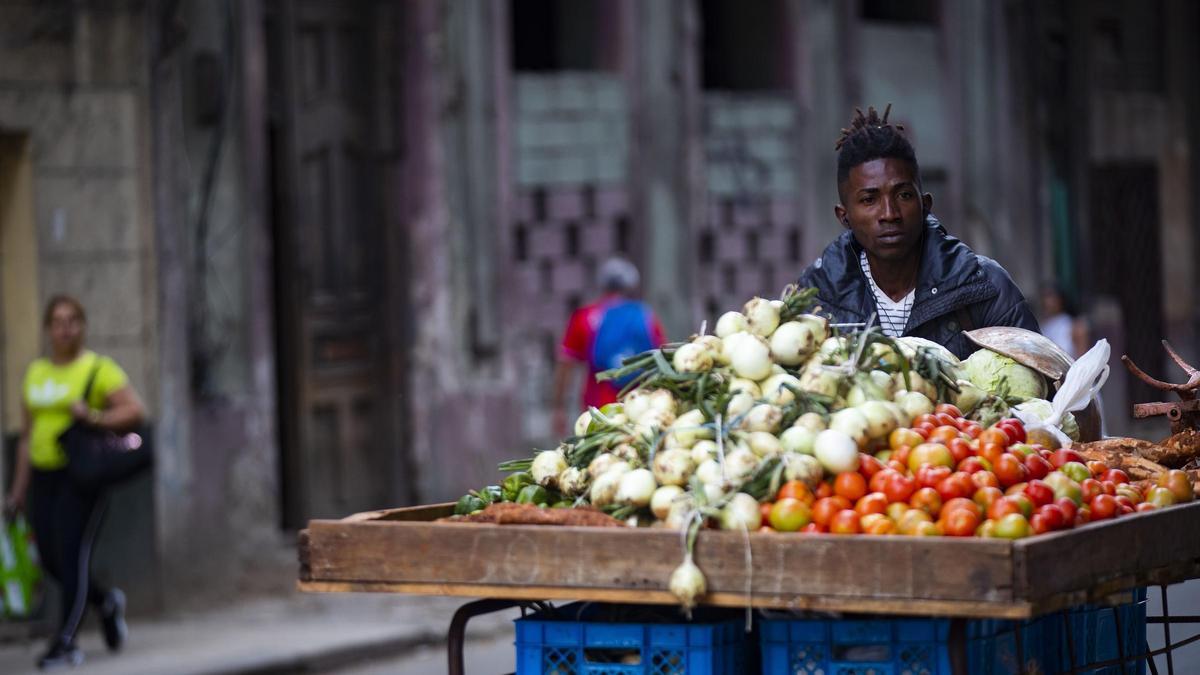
x: 893, y: 316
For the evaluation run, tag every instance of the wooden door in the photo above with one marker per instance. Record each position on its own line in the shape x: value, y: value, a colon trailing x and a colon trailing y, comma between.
x: 333, y: 361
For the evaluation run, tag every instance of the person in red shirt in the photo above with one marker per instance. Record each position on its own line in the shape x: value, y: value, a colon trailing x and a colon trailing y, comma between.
x: 599, y: 334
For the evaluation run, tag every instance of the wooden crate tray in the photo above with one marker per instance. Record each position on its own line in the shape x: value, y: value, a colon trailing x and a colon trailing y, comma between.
x: 403, y: 551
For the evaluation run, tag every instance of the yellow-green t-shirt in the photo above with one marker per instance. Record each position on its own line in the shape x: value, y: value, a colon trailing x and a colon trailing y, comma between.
x: 50, y: 389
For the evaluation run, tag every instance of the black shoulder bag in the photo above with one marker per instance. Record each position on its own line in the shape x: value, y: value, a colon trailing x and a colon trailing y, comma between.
x: 96, y: 457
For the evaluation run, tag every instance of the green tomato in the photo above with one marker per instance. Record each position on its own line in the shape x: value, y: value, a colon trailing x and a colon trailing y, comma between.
x: 1075, y: 471
x: 1012, y: 526
x: 1024, y: 449
x: 789, y: 515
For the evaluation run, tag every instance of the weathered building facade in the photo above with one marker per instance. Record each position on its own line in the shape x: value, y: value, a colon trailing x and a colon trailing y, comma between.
x: 334, y: 243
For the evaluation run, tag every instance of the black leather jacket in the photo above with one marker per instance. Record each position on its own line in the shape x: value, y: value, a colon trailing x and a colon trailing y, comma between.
x: 955, y: 286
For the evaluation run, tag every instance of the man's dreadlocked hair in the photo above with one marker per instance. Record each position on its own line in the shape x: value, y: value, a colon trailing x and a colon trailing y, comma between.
x: 870, y: 137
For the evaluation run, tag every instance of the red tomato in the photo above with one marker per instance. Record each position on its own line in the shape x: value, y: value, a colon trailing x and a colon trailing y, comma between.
x: 991, y: 452
x: 902, y: 436
x: 1089, y: 488
x: 1083, y: 516
x: 1097, y: 467
x: 1010, y: 470
x: 845, y: 521
x: 764, y: 510
x: 1037, y: 466
x: 923, y: 430
x: 1064, y: 455
x: 1109, y: 487
x: 947, y: 408
x: 876, y: 502
x: 973, y: 430
x: 971, y: 465
x: 926, y: 418
x: 824, y: 489
x: 960, y: 503
x: 796, y: 489
x: 1103, y: 507
x: 900, y: 456
x: 897, y: 466
x: 994, y: 435
x: 1115, y: 476
x: 876, y: 482
x: 944, y: 434
x: 850, y: 485
x: 1013, y: 427
x: 1145, y: 506
x: 959, y: 449
x: 1025, y: 503
x: 960, y: 523
x: 823, y: 510
x: 956, y: 485
x: 813, y: 528
x: 899, y: 488
x: 985, y: 478
x: 872, y: 523
x: 1125, y: 502
x: 928, y: 500
x: 868, y: 465
x: 1055, y: 514
x: 1068, y: 507
x: 1039, y: 493
x: 985, y: 496
x: 1039, y: 524
x: 945, y: 420
x: 929, y: 475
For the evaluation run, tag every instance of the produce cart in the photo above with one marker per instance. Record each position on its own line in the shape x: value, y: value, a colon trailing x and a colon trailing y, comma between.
x: 406, y: 551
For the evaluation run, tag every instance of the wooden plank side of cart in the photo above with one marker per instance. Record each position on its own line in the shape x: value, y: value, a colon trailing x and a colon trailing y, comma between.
x: 403, y: 551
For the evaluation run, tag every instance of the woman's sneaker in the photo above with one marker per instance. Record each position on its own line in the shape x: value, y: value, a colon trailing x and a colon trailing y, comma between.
x: 60, y: 655
x: 112, y: 615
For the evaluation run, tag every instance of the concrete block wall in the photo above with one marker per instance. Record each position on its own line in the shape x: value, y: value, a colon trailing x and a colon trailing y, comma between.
x: 571, y: 128
x: 72, y: 82
x: 751, y: 239
x: 749, y: 142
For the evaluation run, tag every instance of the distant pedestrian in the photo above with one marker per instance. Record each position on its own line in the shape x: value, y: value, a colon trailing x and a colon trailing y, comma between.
x: 1062, y: 324
x: 601, y: 334
x: 65, y: 515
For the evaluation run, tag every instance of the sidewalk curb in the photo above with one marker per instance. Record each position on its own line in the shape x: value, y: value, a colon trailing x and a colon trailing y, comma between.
x: 335, y: 658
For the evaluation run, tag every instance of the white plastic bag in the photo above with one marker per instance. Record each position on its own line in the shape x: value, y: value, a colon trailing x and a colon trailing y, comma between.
x: 1082, y: 383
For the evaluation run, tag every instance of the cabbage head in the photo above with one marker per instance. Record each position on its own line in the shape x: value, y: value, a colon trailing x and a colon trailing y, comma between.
x: 988, y: 370
x: 1043, y: 408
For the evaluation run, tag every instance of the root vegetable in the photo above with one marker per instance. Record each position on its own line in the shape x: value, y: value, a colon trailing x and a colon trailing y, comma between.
x: 636, y: 488
x: 730, y: 323
x: 762, y: 317
x: 836, y: 451
x: 692, y: 358
x: 546, y: 468
x: 673, y: 467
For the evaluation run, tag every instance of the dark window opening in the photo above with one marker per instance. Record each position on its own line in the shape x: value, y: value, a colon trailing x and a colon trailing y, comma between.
x: 901, y: 11
x: 572, y: 237
x: 623, y: 233
x: 521, y: 242
x: 744, y: 45
x: 550, y: 35
x: 706, y: 246
x: 794, y: 245
x: 729, y: 272
x: 752, y: 246
x: 546, y: 276
x: 539, y: 205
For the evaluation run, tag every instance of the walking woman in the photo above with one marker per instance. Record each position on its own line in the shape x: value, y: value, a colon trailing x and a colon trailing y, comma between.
x: 66, y: 516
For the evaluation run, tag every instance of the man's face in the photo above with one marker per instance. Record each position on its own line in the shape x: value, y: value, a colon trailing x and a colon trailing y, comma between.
x: 884, y: 208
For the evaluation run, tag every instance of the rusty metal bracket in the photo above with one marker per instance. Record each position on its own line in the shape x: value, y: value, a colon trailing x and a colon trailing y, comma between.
x: 1183, y: 415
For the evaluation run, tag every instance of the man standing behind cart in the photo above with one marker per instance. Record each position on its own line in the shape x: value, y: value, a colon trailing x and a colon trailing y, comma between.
x: 600, y: 335
x: 895, y: 260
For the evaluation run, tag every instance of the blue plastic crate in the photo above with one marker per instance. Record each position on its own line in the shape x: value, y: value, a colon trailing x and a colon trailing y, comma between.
x: 583, y: 639
x: 898, y: 647
x: 918, y: 646
x: 1100, y: 634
